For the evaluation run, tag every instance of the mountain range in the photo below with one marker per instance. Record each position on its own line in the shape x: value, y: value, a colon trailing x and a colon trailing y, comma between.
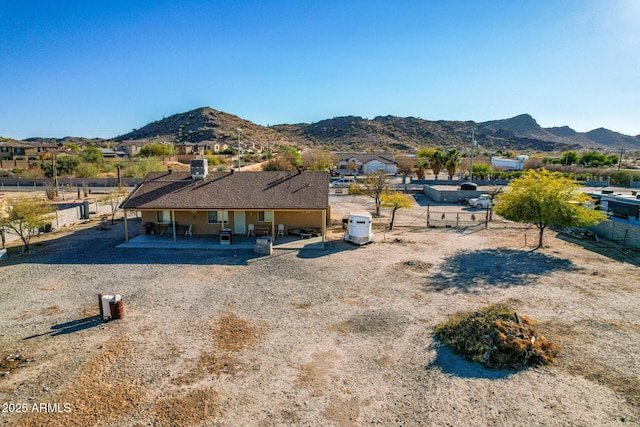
x: 383, y: 133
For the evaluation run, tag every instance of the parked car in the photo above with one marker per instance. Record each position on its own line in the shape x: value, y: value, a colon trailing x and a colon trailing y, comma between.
x: 484, y: 201
x: 343, y: 182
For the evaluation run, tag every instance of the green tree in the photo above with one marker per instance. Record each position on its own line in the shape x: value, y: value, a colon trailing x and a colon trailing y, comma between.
x: 569, y: 158
x: 395, y: 201
x: 292, y: 155
x: 451, y: 161
x: 92, y: 155
x: 543, y: 198
x: 65, y: 165
x: 593, y: 158
x: 86, y: 170
x: 157, y: 149
x: 24, y: 216
x: 375, y: 185
x: 481, y: 170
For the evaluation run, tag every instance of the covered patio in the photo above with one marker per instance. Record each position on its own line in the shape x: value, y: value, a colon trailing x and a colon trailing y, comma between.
x: 144, y: 241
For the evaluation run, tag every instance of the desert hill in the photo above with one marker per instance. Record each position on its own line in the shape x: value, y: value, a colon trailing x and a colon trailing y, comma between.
x: 206, y: 124
x: 383, y: 133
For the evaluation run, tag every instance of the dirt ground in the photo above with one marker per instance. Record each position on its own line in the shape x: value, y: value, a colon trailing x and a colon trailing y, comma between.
x: 335, y: 337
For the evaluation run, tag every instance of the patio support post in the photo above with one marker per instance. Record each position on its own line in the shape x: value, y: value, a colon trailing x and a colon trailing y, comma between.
x: 324, y: 226
x: 126, y: 227
x: 273, y: 225
x: 173, y: 224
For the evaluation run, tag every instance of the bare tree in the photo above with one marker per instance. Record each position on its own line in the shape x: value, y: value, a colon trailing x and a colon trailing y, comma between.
x: 375, y: 185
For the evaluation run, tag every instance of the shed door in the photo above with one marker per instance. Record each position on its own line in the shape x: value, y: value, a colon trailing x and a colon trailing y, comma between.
x: 238, y: 222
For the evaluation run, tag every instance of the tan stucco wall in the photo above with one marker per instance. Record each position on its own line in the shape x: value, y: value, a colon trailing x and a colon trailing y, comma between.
x: 290, y: 219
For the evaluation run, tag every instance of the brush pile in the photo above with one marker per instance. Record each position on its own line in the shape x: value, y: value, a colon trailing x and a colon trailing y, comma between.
x: 497, y: 337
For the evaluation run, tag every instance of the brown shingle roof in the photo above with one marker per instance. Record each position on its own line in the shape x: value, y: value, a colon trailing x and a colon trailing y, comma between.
x: 226, y: 190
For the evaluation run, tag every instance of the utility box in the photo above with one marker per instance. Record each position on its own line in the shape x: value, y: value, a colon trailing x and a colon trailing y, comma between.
x: 264, y: 246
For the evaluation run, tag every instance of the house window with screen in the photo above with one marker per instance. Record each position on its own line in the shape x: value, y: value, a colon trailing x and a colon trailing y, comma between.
x: 265, y: 216
x: 217, y: 217
x: 164, y: 217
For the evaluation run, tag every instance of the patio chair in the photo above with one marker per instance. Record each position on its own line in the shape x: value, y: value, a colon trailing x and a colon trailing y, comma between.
x: 280, y: 230
x: 189, y: 231
x: 250, y: 230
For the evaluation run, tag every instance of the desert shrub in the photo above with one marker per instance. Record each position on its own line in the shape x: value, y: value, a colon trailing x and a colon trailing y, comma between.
x: 497, y: 337
x: 278, y: 164
x: 624, y: 177
x: 27, y: 173
x: 356, y: 189
x: 141, y: 167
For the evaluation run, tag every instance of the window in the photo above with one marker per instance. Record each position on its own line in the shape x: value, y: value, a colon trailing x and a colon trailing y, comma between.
x: 4, y: 149
x: 163, y: 217
x: 265, y: 216
x: 217, y: 217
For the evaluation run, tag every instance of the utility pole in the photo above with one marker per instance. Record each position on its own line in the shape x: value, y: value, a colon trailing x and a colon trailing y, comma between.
x: 620, y: 158
x: 238, y: 149
x: 473, y: 142
x: 54, y: 175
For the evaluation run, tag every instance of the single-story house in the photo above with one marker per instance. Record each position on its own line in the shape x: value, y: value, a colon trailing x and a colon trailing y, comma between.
x: 205, y: 203
x: 367, y: 163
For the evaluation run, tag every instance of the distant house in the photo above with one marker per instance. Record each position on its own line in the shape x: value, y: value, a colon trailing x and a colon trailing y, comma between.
x: 189, y: 148
x: 37, y: 150
x: 239, y: 201
x: 132, y: 147
x: 507, y: 165
x: 11, y: 149
x: 110, y: 153
x: 366, y: 163
x: 250, y: 147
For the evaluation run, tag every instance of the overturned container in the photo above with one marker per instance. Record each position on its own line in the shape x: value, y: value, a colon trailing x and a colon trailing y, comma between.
x: 111, y: 307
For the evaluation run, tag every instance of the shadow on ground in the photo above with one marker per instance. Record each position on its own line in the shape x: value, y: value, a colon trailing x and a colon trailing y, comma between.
x: 70, y: 327
x: 450, y: 363
x: 330, y: 248
x: 471, y: 271
x: 607, y: 248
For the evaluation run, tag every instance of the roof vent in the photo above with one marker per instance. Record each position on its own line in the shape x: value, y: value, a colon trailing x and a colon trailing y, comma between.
x: 199, y: 168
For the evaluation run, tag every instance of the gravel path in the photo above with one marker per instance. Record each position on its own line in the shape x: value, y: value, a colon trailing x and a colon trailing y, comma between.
x: 341, y: 336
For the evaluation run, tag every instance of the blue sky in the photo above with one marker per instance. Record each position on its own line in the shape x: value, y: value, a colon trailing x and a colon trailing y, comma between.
x: 100, y: 69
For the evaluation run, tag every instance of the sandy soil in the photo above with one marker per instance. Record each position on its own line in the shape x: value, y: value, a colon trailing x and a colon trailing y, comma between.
x: 334, y: 337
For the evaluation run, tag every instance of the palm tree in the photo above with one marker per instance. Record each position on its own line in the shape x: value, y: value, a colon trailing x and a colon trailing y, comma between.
x: 437, y: 161
x: 421, y: 166
x: 451, y: 161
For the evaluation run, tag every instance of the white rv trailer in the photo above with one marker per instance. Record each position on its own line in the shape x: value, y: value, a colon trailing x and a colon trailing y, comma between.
x: 359, y: 228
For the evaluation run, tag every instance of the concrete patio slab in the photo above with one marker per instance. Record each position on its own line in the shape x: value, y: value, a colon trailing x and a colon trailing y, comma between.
x: 144, y: 241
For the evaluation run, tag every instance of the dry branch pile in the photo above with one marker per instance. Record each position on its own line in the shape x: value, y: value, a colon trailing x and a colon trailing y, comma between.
x: 496, y: 337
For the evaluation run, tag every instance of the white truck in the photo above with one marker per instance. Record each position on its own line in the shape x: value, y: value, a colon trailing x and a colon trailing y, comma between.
x: 484, y: 201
